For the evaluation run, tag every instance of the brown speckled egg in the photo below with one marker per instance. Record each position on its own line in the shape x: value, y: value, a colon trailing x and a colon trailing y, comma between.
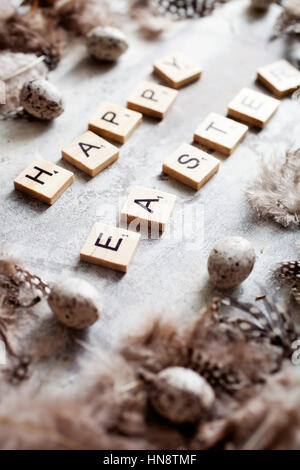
x: 230, y: 262
x: 75, y: 303
x: 181, y: 395
x: 261, y: 4
x: 106, y: 43
x: 41, y: 99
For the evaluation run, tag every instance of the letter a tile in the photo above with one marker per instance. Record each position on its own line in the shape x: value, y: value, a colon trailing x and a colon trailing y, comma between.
x: 149, y: 206
x: 220, y: 133
x: 152, y: 99
x: 280, y: 77
x: 115, y: 122
x: 90, y: 153
x: 44, y: 181
x: 191, y: 166
x: 177, y: 70
x: 111, y: 247
x: 252, y: 107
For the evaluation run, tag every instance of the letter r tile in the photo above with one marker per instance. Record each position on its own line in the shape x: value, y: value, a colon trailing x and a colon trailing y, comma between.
x: 280, y: 77
x: 147, y: 206
x: 109, y: 246
x: 220, y: 133
x: 115, y: 122
x: 152, y: 99
x: 252, y: 107
x: 44, y: 181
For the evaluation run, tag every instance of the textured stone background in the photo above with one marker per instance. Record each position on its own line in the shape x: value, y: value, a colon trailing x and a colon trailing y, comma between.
x: 169, y: 273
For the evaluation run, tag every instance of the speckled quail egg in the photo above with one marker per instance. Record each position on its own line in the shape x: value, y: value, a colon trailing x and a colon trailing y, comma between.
x: 41, y: 99
x: 261, y: 4
x: 230, y: 262
x: 75, y: 303
x: 106, y: 43
x: 181, y: 395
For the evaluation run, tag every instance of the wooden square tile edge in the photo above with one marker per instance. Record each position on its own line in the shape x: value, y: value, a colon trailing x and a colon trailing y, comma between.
x: 185, y: 180
x: 173, y: 84
x: 103, y: 263
x: 111, y: 135
x: 89, y: 171
x: 146, y: 111
x: 277, y: 93
x: 41, y: 197
x: 247, y: 119
x: 127, y: 219
x: 215, y: 146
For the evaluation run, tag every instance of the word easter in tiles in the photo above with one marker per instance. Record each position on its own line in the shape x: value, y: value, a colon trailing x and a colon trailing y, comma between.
x: 90, y: 153
x: 252, y: 107
x: 152, y: 99
x: 44, y: 181
x: 177, y: 70
x: 115, y: 122
x: 280, y: 77
x: 149, y: 206
x: 191, y: 166
x: 109, y: 246
x: 220, y: 133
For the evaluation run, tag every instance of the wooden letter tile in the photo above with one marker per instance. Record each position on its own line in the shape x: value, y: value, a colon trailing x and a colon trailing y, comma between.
x: 177, y: 70
x: 148, y: 205
x: 44, y: 181
x: 90, y: 153
x: 220, y: 133
x: 115, y: 122
x: 111, y: 247
x: 152, y: 99
x: 191, y: 166
x: 252, y: 107
x: 280, y: 77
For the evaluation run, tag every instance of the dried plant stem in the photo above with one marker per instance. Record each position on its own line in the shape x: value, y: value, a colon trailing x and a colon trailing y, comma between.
x: 32, y: 64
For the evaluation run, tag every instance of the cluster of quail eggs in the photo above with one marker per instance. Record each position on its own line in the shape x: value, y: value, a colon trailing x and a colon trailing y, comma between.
x: 44, y: 101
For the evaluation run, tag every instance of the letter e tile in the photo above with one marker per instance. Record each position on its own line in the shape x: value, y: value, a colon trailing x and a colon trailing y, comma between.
x: 252, y: 107
x: 109, y: 246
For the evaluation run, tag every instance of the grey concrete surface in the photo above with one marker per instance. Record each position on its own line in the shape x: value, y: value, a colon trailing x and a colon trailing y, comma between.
x: 167, y: 274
